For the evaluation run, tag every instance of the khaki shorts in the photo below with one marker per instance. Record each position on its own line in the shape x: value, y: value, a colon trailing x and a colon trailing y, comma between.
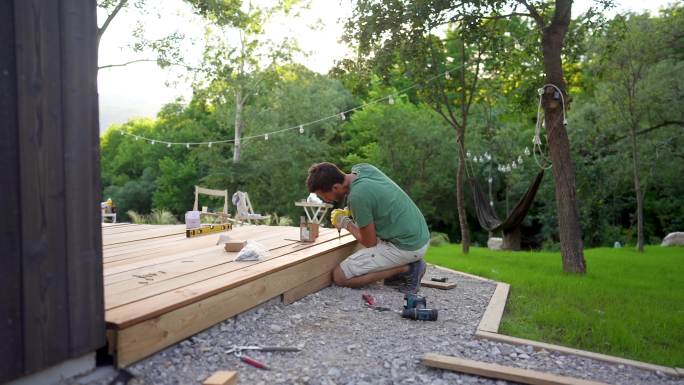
x: 384, y: 255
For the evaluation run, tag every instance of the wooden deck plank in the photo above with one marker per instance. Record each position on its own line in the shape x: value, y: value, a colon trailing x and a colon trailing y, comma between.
x: 130, y: 295
x: 145, y: 337
x: 126, y: 229
x: 151, y: 307
x: 192, y: 249
x: 108, y: 240
x: 182, y: 264
x: 123, y: 248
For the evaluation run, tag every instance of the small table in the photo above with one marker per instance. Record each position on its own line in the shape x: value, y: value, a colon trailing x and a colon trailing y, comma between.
x: 315, y: 212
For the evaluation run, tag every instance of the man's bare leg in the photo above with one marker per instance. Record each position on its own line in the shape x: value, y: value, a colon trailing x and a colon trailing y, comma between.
x: 363, y: 280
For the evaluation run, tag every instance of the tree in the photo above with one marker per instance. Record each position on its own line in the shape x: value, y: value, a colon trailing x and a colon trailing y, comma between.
x: 234, y: 70
x: 165, y: 48
x: 447, y: 70
x: 639, y: 85
x: 552, y: 20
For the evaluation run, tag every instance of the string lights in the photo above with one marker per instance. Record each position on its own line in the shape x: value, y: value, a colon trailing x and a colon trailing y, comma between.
x: 340, y: 115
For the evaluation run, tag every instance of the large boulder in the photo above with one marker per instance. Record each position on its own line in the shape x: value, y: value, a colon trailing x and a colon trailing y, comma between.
x: 674, y: 239
x: 494, y: 243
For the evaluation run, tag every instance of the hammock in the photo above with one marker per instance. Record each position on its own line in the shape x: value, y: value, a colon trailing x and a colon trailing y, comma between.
x: 487, y: 216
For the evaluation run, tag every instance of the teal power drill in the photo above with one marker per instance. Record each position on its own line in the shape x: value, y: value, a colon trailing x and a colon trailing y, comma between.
x: 415, y: 309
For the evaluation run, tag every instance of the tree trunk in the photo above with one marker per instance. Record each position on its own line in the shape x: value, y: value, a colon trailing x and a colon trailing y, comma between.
x: 460, y: 196
x: 511, y: 240
x: 639, y: 193
x: 559, y: 145
x: 238, y: 126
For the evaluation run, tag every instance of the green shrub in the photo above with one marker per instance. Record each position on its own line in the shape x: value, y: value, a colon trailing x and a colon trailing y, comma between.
x: 157, y: 217
x: 437, y: 238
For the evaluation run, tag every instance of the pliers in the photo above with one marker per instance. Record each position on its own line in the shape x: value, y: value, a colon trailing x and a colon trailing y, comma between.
x: 237, y: 351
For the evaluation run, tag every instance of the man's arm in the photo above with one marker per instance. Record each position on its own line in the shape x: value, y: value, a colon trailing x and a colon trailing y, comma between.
x: 365, y: 235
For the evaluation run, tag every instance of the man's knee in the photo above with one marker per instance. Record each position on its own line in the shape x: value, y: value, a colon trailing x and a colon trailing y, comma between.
x: 338, y: 276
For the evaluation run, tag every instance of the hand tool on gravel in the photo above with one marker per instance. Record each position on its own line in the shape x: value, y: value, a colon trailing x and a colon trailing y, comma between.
x: 237, y: 351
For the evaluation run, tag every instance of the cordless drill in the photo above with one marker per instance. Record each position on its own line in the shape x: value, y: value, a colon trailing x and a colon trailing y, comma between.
x: 415, y: 309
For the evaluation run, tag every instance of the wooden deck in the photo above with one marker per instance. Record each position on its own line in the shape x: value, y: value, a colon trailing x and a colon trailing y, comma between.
x: 161, y: 287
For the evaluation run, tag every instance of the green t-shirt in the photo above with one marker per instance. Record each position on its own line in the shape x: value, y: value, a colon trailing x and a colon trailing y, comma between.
x: 375, y: 198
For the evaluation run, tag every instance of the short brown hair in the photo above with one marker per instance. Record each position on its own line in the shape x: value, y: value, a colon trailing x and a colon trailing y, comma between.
x: 322, y: 177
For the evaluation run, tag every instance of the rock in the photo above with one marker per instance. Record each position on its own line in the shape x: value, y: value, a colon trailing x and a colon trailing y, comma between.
x: 674, y: 239
x: 494, y: 243
x: 495, y: 351
x: 275, y: 328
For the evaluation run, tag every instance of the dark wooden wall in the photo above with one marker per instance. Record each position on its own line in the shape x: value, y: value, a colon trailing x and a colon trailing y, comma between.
x: 51, y: 287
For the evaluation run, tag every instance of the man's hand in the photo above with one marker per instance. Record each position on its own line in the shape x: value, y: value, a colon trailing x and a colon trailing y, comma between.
x: 340, y: 218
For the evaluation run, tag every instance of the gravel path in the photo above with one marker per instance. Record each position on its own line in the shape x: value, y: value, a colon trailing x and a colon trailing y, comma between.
x: 345, y: 343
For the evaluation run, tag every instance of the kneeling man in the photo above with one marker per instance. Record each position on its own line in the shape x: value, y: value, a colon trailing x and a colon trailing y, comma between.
x: 385, y: 221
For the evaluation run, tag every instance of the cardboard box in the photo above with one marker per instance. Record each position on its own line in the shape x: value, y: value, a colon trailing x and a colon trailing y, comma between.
x: 233, y: 246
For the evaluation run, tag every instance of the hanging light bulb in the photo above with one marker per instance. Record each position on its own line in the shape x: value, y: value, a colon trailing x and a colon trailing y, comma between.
x: 490, y: 180
x: 210, y: 144
x: 447, y: 76
x: 527, y: 151
x: 121, y: 132
x: 391, y: 99
x: 342, y: 115
x: 266, y: 137
x: 301, y: 129
x: 514, y: 165
x: 468, y: 154
x: 187, y: 145
x: 168, y: 145
x: 137, y: 137
x: 153, y: 142
x: 520, y: 160
x: 491, y: 203
x: 488, y: 156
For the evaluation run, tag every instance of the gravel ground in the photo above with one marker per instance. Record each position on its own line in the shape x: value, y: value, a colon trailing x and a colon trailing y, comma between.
x: 345, y: 343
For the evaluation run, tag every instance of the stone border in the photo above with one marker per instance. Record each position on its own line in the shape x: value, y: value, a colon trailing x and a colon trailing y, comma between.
x: 489, y: 327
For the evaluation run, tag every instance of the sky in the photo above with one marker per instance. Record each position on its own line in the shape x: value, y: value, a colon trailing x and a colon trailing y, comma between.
x: 140, y: 89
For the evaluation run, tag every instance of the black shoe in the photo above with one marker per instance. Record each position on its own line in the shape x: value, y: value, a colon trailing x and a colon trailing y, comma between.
x: 415, y: 275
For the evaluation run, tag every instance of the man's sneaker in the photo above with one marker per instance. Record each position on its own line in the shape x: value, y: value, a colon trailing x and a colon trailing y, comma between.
x: 415, y: 275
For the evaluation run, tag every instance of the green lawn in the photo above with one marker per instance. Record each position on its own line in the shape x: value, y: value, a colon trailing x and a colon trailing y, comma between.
x: 628, y: 304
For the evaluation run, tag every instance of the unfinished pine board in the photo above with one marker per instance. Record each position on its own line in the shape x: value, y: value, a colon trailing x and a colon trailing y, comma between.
x: 437, y: 285
x: 509, y: 373
x: 204, y: 269
x: 198, y: 255
x: 222, y: 378
x: 194, y: 312
x: 164, y: 231
x: 577, y: 352
x: 462, y: 273
x: 492, y: 315
x: 120, y: 253
x: 210, y: 283
x: 188, y: 267
x: 309, y: 287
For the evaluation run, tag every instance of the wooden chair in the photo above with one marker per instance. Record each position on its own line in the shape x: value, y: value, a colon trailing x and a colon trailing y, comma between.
x: 245, y: 211
x: 217, y: 193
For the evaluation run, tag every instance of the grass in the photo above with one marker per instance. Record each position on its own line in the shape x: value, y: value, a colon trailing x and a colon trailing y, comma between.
x: 628, y: 304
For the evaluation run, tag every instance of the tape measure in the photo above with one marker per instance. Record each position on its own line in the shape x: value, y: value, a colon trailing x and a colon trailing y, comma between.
x: 208, y: 229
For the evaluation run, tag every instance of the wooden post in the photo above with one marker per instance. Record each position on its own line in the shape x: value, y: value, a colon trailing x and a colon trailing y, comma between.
x: 51, y: 282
